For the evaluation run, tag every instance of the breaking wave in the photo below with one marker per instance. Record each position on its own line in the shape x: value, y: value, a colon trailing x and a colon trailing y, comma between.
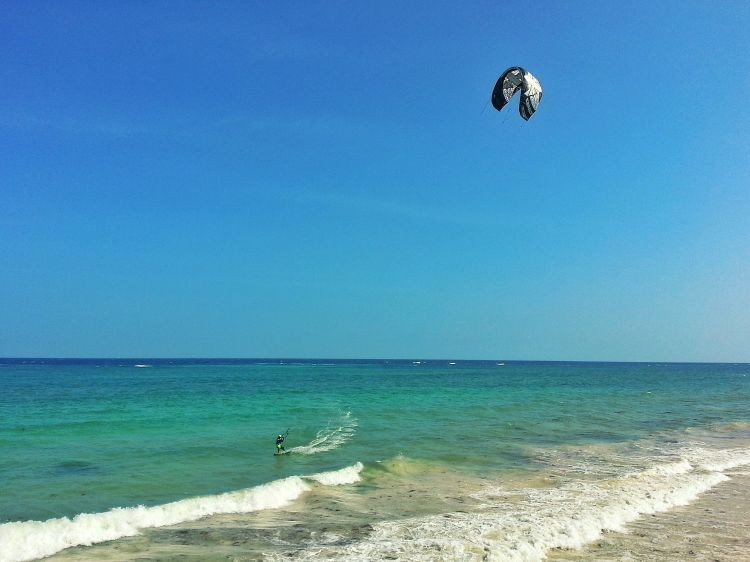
x: 524, y: 524
x: 28, y: 540
x: 348, y: 475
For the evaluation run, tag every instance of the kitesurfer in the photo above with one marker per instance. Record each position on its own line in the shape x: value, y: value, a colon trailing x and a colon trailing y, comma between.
x: 280, y: 443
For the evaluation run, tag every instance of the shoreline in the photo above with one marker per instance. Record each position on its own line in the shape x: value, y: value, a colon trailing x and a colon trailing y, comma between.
x: 371, y: 521
x: 715, y: 527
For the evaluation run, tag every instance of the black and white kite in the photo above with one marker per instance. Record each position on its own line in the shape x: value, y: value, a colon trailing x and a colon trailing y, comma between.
x: 509, y: 83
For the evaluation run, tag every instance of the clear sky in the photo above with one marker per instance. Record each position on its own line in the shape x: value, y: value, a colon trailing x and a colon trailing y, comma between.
x: 324, y: 179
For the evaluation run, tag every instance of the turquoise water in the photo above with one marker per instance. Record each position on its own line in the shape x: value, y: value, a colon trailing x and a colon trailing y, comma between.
x: 86, y: 437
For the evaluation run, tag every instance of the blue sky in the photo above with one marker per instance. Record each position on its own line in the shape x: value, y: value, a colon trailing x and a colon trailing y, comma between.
x: 325, y: 180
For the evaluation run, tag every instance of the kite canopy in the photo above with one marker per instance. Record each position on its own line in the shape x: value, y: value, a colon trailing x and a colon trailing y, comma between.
x: 507, y: 85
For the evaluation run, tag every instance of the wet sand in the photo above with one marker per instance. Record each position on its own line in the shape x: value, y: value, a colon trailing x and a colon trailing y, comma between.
x: 714, y: 528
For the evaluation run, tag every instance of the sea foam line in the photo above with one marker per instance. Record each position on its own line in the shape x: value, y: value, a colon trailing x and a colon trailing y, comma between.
x: 27, y: 540
x: 567, y: 517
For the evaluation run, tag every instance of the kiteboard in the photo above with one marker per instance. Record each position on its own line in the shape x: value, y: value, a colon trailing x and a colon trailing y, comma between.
x: 279, y: 453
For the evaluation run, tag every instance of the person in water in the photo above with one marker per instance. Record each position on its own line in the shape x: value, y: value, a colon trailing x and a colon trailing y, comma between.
x: 280, y: 444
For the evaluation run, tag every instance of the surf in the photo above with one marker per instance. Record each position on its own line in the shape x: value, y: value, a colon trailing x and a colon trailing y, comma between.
x: 523, y: 524
x: 28, y: 540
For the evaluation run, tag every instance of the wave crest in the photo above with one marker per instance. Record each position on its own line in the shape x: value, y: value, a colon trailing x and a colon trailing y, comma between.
x: 524, y: 524
x: 28, y: 540
x: 348, y: 475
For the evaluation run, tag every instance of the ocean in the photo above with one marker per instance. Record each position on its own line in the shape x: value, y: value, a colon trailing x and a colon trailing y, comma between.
x: 388, y: 460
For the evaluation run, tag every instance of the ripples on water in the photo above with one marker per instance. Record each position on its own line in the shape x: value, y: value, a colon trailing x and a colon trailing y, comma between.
x: 413, y: 461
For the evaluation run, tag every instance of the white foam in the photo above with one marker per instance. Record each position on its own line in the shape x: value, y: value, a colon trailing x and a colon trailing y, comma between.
x: 720, y: 461
x: 680, y: 467
x: 28, y: 540
x: 348, y: 475
x: 525, y: 524
x: 330, y: 437
x: 547, y: 519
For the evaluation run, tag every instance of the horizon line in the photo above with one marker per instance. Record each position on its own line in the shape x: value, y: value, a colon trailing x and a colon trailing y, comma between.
x: 361, y: 359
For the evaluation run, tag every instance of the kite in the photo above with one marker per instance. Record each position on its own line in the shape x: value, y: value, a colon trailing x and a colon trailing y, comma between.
x: 509, y: 83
